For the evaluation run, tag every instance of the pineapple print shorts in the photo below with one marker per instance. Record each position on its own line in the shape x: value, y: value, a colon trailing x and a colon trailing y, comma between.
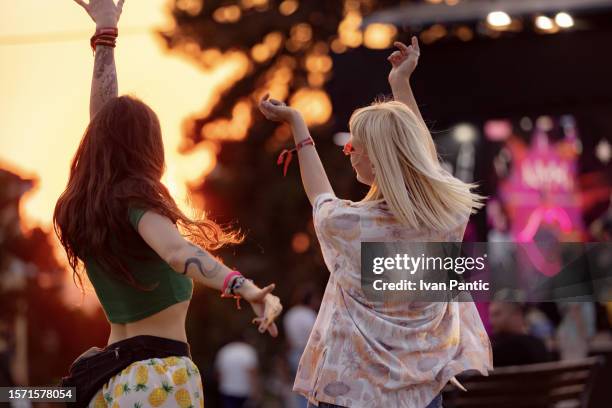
x: 157, y: 382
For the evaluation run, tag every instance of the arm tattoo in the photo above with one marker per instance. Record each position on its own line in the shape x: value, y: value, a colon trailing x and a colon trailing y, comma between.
x: 104, y: 81
x: 207, y: 273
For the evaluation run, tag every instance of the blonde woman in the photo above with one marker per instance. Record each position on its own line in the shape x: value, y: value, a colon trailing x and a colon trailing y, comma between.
x: 361, y: 355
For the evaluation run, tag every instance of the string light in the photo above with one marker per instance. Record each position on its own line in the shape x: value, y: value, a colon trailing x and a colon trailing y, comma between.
x: 288, y: 7
x: 379, y: 36
x: 498, y: 19
x: 227, y: 14
x: 191, y: 7
x: 544, y: 23
x: 433, y: 33
x: 314, y: 104
x: 564, y: 20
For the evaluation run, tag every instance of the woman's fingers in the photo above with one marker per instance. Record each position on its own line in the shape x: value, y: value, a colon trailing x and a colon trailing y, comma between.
x: 273, y: 330
x: 270, y: 102
x: 260, y: 322
x: 401, y: 46
x: 269, y: 325
x: 81, y: 3
x: 268, y: 111
x: 273, y: 309
x: 265, y: 109
x: 268, y: 289
x: 415, y: 43
x: 120, y: 5
x: 409, y: 49
x: 270, y: 310
x: 273, y: 109
x: 396, y: 58
x: 276, y: 102
x: 394, y: 55
x: 263, y: 325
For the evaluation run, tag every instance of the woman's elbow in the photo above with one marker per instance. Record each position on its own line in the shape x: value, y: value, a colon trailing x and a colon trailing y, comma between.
x: 176, y: 256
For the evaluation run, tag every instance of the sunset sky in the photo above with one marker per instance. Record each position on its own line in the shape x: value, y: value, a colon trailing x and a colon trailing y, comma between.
x: 45, y: 77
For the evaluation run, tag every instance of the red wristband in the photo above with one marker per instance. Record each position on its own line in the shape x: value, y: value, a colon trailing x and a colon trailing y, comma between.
x: 104, y: 36
x: 287, y: 154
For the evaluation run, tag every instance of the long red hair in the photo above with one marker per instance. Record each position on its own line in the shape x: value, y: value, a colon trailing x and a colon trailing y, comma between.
x: 119, y: 163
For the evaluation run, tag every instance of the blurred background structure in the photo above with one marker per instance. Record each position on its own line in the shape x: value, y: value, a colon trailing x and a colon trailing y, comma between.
x: 517, y: 94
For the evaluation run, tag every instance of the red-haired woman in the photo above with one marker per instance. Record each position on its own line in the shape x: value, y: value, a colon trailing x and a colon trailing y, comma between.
x: 139, y: 250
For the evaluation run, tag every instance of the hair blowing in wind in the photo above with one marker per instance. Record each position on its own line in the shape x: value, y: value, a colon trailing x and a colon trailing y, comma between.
x: 119, y: 163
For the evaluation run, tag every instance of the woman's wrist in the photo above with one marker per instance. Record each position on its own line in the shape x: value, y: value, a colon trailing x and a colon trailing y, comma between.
x: 247, y: 289
x: 397, y: 81
x: 101, y: 26
x: 295, y: 117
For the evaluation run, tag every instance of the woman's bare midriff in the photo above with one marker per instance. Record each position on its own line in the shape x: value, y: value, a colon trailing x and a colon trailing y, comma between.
x: 169, y: 323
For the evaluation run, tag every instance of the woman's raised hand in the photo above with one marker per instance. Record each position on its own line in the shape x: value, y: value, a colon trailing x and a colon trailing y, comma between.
x: 276, y: 110
x: 404, y: 60
x: 105, y: 13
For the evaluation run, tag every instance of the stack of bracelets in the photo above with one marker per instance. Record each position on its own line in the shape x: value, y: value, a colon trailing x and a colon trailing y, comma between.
x: 232, y: 282
x: 104, y: 36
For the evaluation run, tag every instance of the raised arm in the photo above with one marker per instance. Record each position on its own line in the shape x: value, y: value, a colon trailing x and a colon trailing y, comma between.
x: 313, y: 174
x: 189, y: 259
x: 105, y: 13
x: 403, y: 63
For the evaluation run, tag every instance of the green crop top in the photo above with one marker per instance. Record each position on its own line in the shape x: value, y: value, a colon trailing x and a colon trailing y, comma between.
x: 123, y: 303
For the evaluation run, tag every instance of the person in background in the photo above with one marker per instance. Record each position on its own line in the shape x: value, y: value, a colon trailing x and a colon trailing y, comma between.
x: 298, y: 323
x: 237, y: 369
x: 540, y: 326
x: 576, y: 329
x: 512, y: 345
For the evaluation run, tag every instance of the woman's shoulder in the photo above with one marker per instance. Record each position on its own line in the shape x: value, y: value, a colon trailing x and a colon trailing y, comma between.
x: 332, y: 205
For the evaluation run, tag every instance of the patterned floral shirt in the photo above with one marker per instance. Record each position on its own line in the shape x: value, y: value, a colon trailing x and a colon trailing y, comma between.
x: 361, y: 355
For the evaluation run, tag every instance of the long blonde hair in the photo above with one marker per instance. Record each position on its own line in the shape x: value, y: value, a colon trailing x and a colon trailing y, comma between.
x: 403, y: 153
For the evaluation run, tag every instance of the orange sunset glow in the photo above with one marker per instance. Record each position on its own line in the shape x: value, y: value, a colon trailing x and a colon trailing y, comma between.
x: 45, y: 77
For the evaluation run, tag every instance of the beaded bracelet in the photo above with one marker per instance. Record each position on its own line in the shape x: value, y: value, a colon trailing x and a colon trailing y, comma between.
x: 229, y: 286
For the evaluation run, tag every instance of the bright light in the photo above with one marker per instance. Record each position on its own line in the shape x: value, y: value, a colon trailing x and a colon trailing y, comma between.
x: 464, y: 133
x: 379, y: 36
x: 314, y: 104
x: 603, y: 151
x: 544, y: 23
x: 341, y: 138
x: 564, y: 20
x: 498, y: 19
